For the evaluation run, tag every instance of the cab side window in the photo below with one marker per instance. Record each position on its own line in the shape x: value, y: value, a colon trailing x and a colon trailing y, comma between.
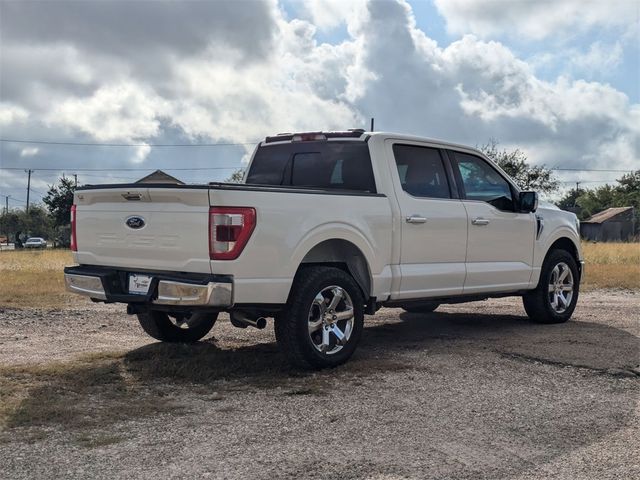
x: 421, y: 171
x: 482, y: 182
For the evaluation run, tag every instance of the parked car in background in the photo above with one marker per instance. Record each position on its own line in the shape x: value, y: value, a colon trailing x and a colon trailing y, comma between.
x: 35, y: 242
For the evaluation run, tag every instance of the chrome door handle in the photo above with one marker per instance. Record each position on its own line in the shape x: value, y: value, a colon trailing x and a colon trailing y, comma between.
x: 480, y: 221
x: 416, y: 219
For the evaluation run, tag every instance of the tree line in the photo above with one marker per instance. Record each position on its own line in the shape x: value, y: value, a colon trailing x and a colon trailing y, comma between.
x: 51, y: 220
x: 584, y: 202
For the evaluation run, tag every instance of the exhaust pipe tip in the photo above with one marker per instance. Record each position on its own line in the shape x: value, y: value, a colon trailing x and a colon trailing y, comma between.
x: 240, y: 320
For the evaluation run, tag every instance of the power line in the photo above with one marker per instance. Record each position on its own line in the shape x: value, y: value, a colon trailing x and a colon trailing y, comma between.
x: 87, y: 144
x: 68, y: 169
x: 589, y: 170
x: 587, y: 181
x: 120, y: 169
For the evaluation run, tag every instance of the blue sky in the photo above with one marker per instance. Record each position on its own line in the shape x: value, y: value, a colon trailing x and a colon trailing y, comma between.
x: 558, y: 79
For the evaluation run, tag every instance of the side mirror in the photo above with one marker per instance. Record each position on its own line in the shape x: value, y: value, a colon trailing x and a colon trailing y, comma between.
x: 528, y: 202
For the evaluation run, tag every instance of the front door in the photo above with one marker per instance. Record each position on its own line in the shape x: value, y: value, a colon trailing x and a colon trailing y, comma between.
x: 433, y: 225
x: 500, y: 241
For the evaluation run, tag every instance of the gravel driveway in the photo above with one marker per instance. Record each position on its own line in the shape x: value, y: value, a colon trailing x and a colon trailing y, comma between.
x: 471, y: 391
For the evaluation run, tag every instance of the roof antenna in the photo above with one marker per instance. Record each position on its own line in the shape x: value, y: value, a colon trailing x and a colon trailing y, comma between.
x: 372, y: 124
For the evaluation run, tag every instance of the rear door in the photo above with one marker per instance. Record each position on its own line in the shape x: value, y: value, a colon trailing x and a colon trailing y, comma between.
x: 155, y: 228
x: 433, y: 226
x: 500, y: 239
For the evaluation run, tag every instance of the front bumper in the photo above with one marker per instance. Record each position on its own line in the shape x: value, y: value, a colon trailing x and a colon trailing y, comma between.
x: 166, y: 288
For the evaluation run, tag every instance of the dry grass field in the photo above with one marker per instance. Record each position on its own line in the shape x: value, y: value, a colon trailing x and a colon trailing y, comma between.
x: 612, y: 265
x: 34, y: 278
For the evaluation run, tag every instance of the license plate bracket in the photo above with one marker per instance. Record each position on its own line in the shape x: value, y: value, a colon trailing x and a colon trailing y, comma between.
x: 139, y: 284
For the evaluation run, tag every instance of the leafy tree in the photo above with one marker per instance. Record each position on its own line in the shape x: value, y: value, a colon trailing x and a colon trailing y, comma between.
x: 59, y: 199
x: 626, y: 193
x: 36, y: 223
x: 9, y: 224
x: 515, y: 164
x: 570, y: 199
x: 236, y: 177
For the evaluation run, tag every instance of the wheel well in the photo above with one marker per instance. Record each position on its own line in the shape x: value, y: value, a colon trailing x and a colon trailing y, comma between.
x: 565, y: 244
x: 344, y: 255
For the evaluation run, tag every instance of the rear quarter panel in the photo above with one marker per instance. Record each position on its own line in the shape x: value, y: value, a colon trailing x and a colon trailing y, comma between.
x: 289, y: 225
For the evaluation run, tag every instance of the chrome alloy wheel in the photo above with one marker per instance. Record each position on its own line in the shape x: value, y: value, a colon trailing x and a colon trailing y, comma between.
x: 560, y: 287
x: 331, y: 319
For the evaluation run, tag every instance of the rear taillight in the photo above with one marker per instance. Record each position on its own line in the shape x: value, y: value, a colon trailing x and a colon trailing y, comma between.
x: 229, y: 231
x: 74, y: 242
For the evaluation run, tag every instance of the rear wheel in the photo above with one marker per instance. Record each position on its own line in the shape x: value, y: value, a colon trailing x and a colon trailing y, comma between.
x: 177, y: 327
x: 555, y: 297
x: 421, y: 308
x: 323, y: 320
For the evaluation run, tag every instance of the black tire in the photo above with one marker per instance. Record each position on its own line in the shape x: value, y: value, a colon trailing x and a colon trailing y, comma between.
x: 160, y: 326
x: 292, y: 324
x: 421, y: 308
x: 539, y: 302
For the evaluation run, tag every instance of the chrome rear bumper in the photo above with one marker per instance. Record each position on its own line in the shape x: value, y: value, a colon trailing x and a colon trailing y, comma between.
x: 164, y: 290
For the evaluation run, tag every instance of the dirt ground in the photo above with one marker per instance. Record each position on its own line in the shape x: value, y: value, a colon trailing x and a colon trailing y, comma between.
x: 471, y: 391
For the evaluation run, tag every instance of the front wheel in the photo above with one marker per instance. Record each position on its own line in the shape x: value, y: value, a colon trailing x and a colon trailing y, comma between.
x: 323, y: 320
x: 177, y: 327
x: 555, y: 297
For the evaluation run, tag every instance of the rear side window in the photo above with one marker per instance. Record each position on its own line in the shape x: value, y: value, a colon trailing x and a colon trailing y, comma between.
x: 421, y: 171
x: 332, y: 165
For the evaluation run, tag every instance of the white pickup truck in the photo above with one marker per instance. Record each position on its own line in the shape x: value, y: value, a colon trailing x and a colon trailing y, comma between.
x: 325, y: 228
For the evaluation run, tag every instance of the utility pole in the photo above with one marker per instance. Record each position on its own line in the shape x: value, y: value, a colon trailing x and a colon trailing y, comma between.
x: 372, y: 123
x: 29, y: 172
x: 577, y: 194
x: 75, y: 179
x: 6, y: 203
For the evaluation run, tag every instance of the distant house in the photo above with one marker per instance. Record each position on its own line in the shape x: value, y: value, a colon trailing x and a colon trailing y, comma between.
x: 610, y: 225
x: 160, y: 177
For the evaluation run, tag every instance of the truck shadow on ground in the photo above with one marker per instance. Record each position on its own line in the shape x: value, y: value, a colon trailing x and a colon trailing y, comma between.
x: 580, y: 344
x: 104, y: 389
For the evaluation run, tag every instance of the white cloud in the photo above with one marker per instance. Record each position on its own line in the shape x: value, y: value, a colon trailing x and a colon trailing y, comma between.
x: 140, y: 154
x: 123, y: 111
x: 328, y: 14
x: 468, y: 92
x: 29, y: 151
x: 12, y: 114
x: 599, y: 57
x: 474, y: 90
x: 536, y: 19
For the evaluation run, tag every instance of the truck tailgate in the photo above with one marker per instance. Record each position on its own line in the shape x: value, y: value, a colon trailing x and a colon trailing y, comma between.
x: 144, y: 228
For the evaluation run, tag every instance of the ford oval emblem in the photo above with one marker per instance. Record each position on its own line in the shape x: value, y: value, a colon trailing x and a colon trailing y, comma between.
x: 135, y: 222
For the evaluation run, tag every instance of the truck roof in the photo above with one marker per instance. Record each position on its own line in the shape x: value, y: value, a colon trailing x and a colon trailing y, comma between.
x: 359, y: 134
